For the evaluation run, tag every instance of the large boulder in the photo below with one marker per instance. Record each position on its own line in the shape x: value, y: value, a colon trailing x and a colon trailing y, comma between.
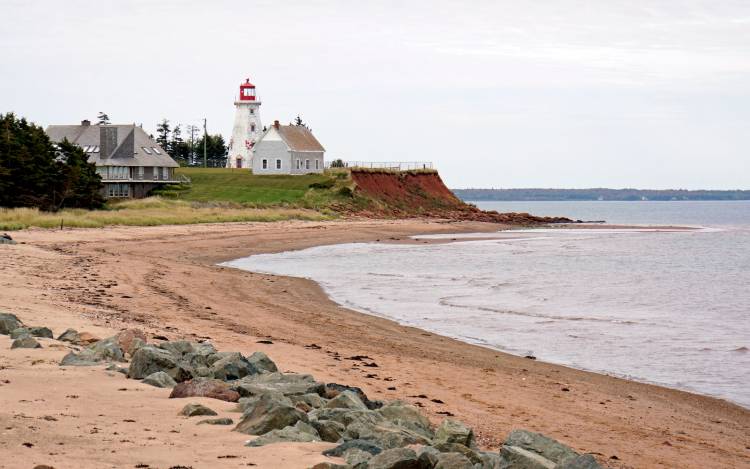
x: 286, y: 383
x: 362, y: 445
x: 131, y: 340
x: 261, y: 363
x: 385, y: 434
x: 9, y: 322
x: 407, y: 416
x: 469, y: 453
x: 541, y: 445
x: 269, y: 414
x: 106, y: 350
x: 453, y: 461
x: 454, y: 431
x: 150, y: 359
x: 178, y: 348
x: 25, y: 342
x: 584, y: 461
x: 332, y: 390
x: 396, y: 458
x: 160, y: 380
x: 515, y: 457
x: 204, y: 387
x: 192, y: 410
x: 246, y: 404
x: 70, y: 335
x: 231, y: 366
x: 44, y: 332
x: 346, y: 400
x: 428, y: 456
x: 328, y: 430
x: 19, y: 332
x: 357, y: 458
x: 299, y: 432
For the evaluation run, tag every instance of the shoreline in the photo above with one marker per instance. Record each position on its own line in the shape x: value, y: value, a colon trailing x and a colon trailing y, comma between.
x: 157, y: 269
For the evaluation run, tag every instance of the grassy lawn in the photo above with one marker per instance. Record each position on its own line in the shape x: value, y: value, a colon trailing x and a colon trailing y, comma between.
x: 240, y: 186
x: 149, y: 212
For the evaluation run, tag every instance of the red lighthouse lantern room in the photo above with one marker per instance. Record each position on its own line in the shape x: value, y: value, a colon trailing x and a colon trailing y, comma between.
x: 247, y: 91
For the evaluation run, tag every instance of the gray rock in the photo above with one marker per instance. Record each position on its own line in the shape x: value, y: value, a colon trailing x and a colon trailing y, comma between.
x: 204, y: 387
x: 357, y: 458
x: 20, y: 332
x: 246, y: 404
x: 287, y: 384
x: 330, y: 465
x: 490, y: 460
x: 160, y: 380
x: 44, y: 332
x: 385, y: 434
x: 70, y: 335
x: 453, y: 461
x: 396, y: 458
x: 346, y: 400
x: 268, y: 414
x: 407, y: 416
x: 119, y: 369
x: 299, y: 432
x: 178, y: 348
x: 329, y: 430
x: 313, y: 400
x: 584, y: 461
x: 230, y: 366
x: 470, y: 454
x: 25, y: 342
x: 362, y: 445
x: 428, y: 456
x: 221, y: 421
x: 332, y: 390
x: 9, y: 322
x: 6, y: 239
x: 347, y: 417
x: 150, y: 359
x: 544, y: 446
x: 191, y: 410
x: 454, y: 431
x: 515, y: 457
x: 261, y: 363
x: 85, y: 358
x: 102, y: 351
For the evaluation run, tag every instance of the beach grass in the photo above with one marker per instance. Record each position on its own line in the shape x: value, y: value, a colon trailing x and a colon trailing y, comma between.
x: 151, y: 211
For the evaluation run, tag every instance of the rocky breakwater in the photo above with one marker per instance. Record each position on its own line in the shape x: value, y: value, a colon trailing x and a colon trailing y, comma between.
x: 279, y: 407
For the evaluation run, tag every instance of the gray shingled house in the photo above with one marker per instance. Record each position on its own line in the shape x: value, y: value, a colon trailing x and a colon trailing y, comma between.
x: 130, y: 163
x: 288, y: 149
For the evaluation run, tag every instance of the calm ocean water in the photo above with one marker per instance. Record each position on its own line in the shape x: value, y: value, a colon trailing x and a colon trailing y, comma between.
x: 671, y: 308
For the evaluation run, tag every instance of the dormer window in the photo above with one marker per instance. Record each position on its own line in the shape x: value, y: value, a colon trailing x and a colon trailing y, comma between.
x: 148, y: 152
x: 156, y: 150
x: 94, y: 149
x: 86, y: 148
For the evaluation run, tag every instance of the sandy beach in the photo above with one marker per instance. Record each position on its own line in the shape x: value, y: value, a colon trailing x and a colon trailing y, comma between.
x: 166, y: 281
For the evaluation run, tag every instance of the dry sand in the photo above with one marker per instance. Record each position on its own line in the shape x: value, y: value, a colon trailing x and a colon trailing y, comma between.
x: 165, y: 281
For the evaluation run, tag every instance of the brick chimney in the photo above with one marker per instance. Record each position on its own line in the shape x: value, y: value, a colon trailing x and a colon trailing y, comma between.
x: 85, y: 122
x: 276, y: 124
x: 107, y: 141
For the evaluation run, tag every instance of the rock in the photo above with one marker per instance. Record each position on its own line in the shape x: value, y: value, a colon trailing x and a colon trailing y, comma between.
x: 130, y: 340
x: 516, y: 457
x: 541, y: 445
x: 333, y: 389
x: 330, y: 465
x: 25, y: 342
x: 346, y: 400
x: 328, y: 430
x: 221, y: 421
x: 454, y: 431
x: 453, y: 461
x: 313, y: 400
x: 203, y: 387
x: 245, y: 404
x: 470, y: 454
x: 268, y: 414
x: 584, y: 461
x: 6, y: 239
x: 261, y: 363
x: 104, y: 350
x: 300, y: 432
x: 119, y: 369
x: 357, y: 458
x: 428, y: 456
x: 20, y: 332
x: 362, y: 445
x: 385, y: 434
x: 396, y: 458
x: 407, y: 416
x: 191, y: 410
x: 178, y: 348
x: 70, y: 335
x: 86, y: 338
x: 149, y: 359
x: 490, y: 460
x: 287, y: 384
x: 85, y: 358
x: 160, y: 380
x: 231, y: 366
x: 44, y: 332
x: 9, y: 322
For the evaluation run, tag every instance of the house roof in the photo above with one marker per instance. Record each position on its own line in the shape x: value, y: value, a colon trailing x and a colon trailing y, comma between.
x: 299, y: 138
x: 129, y: 136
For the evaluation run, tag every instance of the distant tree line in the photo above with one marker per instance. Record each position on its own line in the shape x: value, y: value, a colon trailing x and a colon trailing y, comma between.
x: 598, y: 194
x: 35, y: 172
x: 189, y: 151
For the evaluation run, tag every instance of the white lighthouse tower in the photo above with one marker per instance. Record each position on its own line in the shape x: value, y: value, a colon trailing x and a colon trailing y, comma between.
x: 247, y: 127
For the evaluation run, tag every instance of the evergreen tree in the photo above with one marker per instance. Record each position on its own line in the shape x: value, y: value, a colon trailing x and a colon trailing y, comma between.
x: 162, y: 132
x: 78, y: 183
x: 216, y: 151
x: 102, y: 118
x: 179, y: 149
x: 298, y: 121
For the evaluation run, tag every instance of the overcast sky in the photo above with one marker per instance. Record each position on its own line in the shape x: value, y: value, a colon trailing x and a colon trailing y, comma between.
x: 649, y: 94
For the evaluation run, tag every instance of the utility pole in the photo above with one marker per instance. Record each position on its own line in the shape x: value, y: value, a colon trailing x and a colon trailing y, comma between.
x: 205, y: 141
x: 192, y: 129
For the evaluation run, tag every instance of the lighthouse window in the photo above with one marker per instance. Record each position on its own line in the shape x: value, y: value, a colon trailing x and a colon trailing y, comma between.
x: 252, y: 111
x: 252, y: 127
x: 278, y: 164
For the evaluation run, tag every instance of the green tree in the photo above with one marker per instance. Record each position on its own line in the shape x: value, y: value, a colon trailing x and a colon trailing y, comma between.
x: 102, y: 118
x: 178, y: 148
x: 78, y: 183
x: 216, y: 151
x: 162, y: 132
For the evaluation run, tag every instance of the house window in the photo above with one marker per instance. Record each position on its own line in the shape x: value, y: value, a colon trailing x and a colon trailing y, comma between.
x: 155, y: 169
x: 299, y: 163
x: 278, y: 163
x: 148, y: 152
x: 265, y: 164
x: 118, y: 190
x: 165, y: 173
x: 307, y: 164
x: 317, y: 164
x: 140, y: 172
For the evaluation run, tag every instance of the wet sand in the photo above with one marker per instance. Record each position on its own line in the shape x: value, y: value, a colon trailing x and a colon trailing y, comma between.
x: 165, y: 280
